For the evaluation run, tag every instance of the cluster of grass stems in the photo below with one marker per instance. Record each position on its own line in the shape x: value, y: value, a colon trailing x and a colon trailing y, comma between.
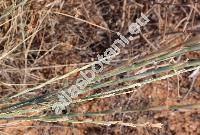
x: 137, y: 79
x: 44, y: 102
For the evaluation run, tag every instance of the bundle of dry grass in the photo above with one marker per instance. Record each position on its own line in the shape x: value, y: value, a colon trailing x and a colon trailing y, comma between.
x: 45, y: 44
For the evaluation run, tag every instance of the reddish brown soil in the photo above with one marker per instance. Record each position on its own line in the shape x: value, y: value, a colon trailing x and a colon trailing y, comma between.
x: 79, y: 43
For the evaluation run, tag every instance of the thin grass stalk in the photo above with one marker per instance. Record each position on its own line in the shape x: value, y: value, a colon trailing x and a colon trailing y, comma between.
x: 102, y: 113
